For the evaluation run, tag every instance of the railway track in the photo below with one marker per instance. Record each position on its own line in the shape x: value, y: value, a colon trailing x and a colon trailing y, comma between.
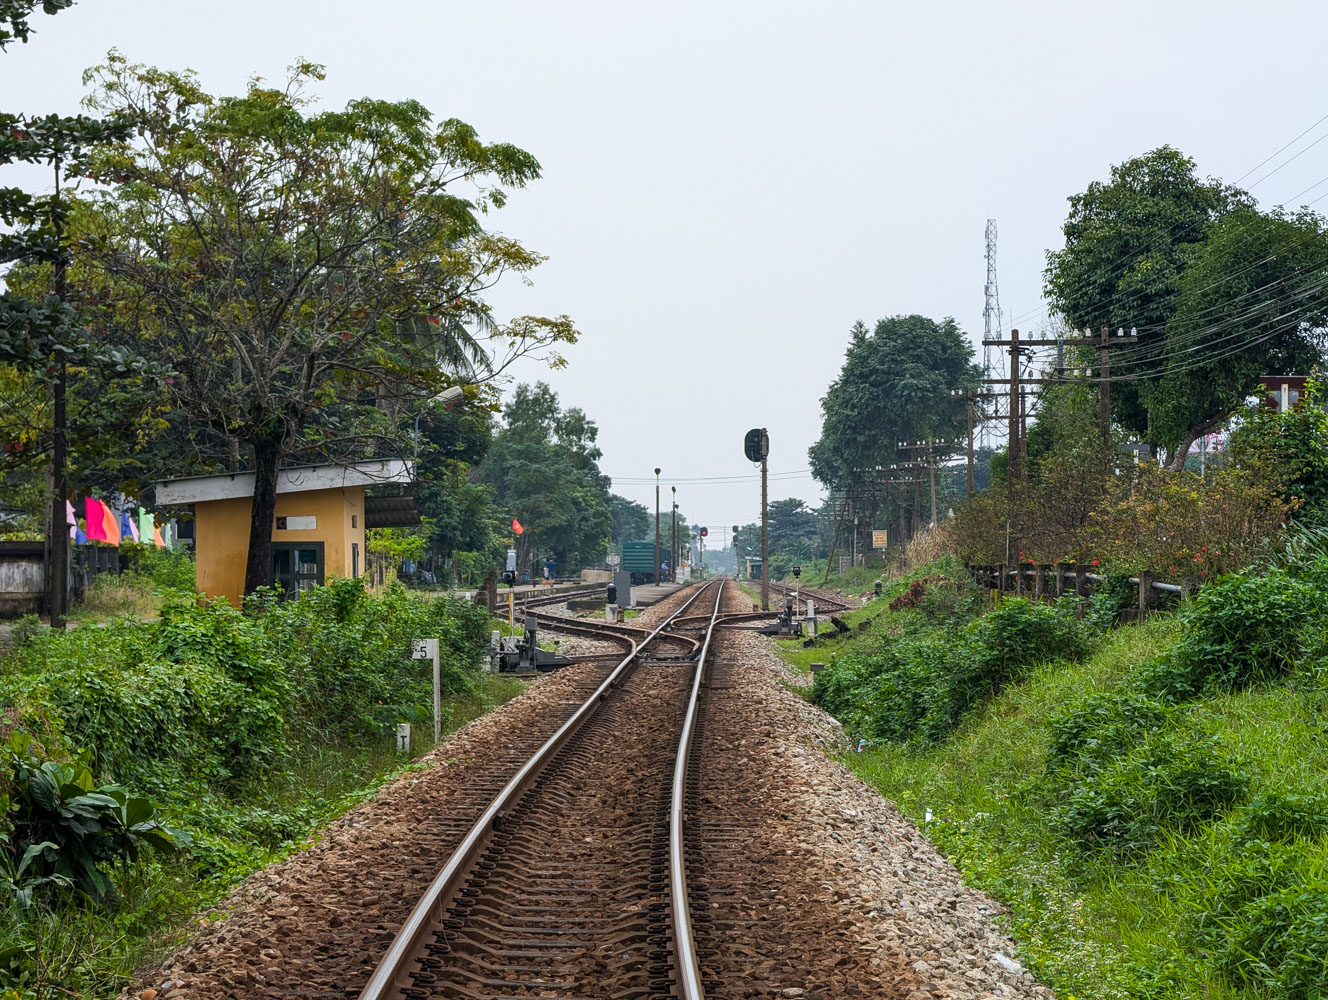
x: 573, y: 881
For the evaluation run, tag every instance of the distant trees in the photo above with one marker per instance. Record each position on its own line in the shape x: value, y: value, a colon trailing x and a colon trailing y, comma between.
x: 542, y: 467
x: 631, y: 521
x: 792, y: 533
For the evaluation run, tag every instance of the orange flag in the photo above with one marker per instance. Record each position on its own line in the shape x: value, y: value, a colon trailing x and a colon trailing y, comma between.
x: 111, y: 525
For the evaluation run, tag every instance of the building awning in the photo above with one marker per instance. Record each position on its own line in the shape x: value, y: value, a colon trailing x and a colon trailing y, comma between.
x: 391, y: 512
x: 199, y: 489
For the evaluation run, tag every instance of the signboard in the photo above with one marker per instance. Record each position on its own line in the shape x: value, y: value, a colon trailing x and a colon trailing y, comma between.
x: 423, y: 649
x: 879, y: 539
x: 615, y: 560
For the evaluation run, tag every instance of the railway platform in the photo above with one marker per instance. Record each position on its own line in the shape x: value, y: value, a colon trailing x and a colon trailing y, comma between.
x: 652, y: 593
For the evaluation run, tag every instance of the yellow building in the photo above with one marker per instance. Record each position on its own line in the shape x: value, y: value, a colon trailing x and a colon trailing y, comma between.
x: 321, y: 517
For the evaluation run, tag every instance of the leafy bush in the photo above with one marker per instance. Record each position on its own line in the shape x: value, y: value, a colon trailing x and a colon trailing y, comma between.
x: 1280, y: 942
x: 1274, y: 816
x: 1245, y: 628
x: 1168, y: 782
x: 211, y: 695
x: 920, y: 686
x: 1020, y: 633
x: 1100, y: 728
x: 66, y: 829
x: 1112, y: 595
x: 169, y: 568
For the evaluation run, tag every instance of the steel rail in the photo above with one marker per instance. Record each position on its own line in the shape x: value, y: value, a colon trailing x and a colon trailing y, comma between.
x: 613, y: 630
x: 684, y: 943
x: 386, y: 981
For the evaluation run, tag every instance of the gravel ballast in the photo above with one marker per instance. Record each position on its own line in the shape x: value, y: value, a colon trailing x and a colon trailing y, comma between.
x: 863, y: 905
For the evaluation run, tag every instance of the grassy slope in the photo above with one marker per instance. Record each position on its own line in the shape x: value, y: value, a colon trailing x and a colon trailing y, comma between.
x: 1090, y: 927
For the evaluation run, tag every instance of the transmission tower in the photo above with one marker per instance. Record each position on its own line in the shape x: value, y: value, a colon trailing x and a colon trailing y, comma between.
x: 991, y: 323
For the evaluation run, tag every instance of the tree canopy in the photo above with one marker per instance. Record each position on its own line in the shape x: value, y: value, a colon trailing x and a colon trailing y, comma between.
x: 313, y: 276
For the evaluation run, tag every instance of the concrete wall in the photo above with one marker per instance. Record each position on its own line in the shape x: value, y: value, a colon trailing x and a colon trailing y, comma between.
x: 221, y: 540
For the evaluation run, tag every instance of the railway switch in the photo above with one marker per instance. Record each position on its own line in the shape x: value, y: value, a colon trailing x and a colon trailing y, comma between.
x: 522, y: 655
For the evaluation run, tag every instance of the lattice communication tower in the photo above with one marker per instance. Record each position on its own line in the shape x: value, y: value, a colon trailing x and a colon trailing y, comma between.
x: 993, y: 358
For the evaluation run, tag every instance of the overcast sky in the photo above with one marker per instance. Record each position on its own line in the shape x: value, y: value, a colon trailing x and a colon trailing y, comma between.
x: 728, y: 186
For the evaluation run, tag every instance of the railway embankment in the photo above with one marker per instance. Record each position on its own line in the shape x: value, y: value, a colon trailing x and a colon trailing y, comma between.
x: 1147, y: 802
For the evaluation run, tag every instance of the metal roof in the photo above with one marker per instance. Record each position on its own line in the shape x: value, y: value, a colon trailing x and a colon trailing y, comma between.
x: 391, y: 512
x: 199, y: 489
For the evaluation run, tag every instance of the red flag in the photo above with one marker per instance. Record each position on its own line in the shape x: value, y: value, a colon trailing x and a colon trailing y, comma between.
x: 516, y: 526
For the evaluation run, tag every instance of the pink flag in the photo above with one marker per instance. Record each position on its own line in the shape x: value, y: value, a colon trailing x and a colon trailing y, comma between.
x: 96, y: 514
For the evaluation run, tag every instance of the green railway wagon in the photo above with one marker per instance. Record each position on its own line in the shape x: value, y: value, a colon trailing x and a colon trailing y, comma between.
x: 638, y: 558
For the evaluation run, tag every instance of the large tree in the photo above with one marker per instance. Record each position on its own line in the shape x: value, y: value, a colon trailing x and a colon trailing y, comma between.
x: 793, y: 530
x: 1128, y: 242
x: 312, y: 275
x: 1252, y: 301
x: 895, y: 385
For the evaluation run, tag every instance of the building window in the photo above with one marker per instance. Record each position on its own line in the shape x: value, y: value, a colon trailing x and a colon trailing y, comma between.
x: 355, y: 560
x: 355, y: 520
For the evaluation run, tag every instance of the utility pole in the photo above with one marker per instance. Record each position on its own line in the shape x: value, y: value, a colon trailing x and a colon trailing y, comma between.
x: 655, y: 574
x: 1016, y: 445
x: 58, y: 546
x: 673, y: 538
x: 765, y: 523
x: 1103, y: 343
x: 991, y: 310
x: 1104, y: 387
x: 931, y: 475
x: 969, y: 400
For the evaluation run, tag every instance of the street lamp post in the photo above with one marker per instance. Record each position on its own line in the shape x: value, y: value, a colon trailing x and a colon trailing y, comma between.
x: 656, y: 573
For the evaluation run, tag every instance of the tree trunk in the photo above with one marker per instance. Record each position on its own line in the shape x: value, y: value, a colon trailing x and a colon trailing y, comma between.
x: 267, y: 459
x: 1176, y: 462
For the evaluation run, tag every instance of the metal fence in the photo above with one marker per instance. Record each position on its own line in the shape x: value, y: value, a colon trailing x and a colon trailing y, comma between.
x: 1042, y: 581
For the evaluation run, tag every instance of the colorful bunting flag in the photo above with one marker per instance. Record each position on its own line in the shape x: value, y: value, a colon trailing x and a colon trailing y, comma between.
x: 72, y: 520
x: 110, y: 525
x: 157, y: 540
x: 516, y: 526
x: 96, y: 515
x: 128, y: 527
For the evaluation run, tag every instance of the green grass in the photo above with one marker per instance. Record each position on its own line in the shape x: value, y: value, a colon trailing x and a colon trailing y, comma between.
x: 1097, y: 925
x: 110, y: 595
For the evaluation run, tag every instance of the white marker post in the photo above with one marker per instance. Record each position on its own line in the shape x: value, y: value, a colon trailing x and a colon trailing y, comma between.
x: 425, y: 649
